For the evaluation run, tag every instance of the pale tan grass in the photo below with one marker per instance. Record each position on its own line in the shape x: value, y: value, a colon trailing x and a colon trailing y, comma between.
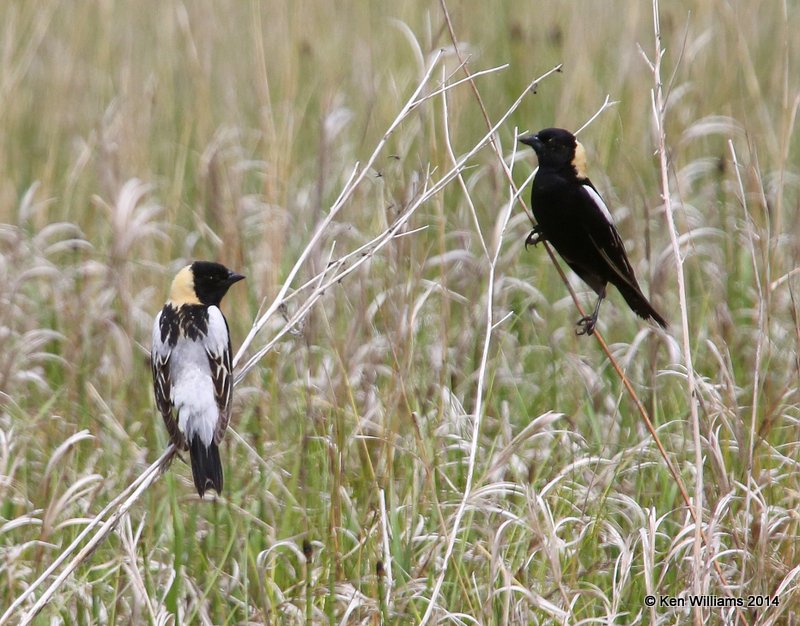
x: 240, y: 121
x: 128, y: 202
x: 700, y: 579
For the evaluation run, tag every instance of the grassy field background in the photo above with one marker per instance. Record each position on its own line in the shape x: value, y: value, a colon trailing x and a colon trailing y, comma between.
x: 135, y: 137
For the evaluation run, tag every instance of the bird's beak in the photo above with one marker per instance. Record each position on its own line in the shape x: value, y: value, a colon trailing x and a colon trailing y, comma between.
x: 531, y: 140
x: 233, y: 277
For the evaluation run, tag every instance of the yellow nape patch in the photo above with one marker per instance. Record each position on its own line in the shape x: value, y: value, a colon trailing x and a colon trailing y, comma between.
x: 579, y: 160
x: 182, y: 290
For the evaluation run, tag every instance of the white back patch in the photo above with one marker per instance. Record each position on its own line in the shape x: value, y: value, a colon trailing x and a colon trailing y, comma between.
x: 599, y: 203
x: 217, y: 338
x: 193, y: 390
x: 192, y: 379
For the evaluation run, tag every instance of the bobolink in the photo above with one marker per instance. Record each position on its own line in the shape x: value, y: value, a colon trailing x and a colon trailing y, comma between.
x: 191, y: 360
x: 571, y: 215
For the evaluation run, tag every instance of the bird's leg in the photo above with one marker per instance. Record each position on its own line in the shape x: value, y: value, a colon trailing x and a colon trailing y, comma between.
x: 534, y: 237
x: 586, y: 324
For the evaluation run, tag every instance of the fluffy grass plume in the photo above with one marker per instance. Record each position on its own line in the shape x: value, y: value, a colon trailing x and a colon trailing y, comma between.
x: 418, y: 434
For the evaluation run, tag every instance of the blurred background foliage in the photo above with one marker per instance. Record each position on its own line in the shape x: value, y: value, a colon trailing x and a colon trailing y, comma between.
x: 135, y: 137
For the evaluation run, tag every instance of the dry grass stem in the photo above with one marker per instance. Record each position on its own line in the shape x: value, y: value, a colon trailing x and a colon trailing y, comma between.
x: 418, y: 435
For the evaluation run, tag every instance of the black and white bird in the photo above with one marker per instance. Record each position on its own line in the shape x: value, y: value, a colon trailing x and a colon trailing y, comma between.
x: 571, y: 215
x: 191, y: 361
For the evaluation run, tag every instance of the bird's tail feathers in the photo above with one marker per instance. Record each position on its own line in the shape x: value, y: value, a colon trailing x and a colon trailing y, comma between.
x: 640, y: 305
x: 206, y: 465
x: 626, y: 283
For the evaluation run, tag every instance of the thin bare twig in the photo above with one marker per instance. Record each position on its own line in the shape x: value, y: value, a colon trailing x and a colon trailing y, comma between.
x: 128, y: 498
x: 477, y: 417
x: 760, y: 335
x: 334, y: 272
x: 355, y: 179
x: 162, y: 461
x: 626, y: 382
x: 345, y: 265
x: 695, y: 508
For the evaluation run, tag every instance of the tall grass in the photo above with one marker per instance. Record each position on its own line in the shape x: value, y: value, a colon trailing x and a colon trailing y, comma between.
x: 428, y: 438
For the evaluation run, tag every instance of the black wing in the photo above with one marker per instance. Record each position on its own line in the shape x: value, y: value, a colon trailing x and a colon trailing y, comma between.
x: 605, y: 238
x: 160, y: 354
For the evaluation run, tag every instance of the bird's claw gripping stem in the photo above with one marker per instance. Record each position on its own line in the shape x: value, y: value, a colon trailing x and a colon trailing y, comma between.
x: 534, y: 237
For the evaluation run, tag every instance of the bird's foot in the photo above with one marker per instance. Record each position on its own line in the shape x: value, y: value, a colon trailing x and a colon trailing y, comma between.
x: 534, y: 237
x: 586, y: 325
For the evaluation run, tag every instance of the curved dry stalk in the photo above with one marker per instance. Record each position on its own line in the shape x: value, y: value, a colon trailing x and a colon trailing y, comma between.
x: 350, y: 186
x: 762, y: 331
x: 695, y: 508
x: 365, y: 252
x: 357, y: 175
x: 479, y: 392
x: 659, y: 109
x: 626, y: 382
x: 334, y: 272
x: 122, y: 503
x: 461, y: 182
x: 607, y: 103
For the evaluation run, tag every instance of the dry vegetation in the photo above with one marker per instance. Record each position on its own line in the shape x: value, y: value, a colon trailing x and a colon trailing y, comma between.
x: 425, y: 438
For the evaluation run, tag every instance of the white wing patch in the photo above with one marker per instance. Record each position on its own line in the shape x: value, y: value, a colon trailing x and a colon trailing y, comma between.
x: 599, y: 203
x: 217, y: 339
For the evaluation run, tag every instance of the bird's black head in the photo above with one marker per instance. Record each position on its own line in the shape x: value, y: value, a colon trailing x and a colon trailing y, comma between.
x: 211, y: 281
x: 557, y: 148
